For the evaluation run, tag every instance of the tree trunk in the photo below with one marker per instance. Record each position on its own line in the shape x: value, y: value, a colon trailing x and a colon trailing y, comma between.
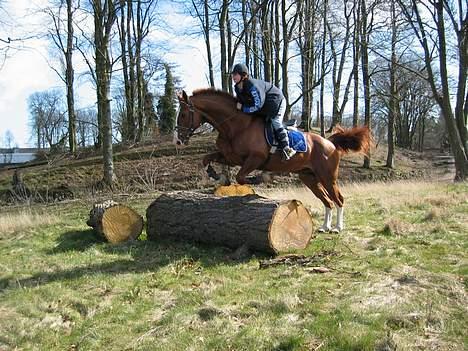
x: 69, y: 80
x: 364, y: 36
x: 103, y: 24
x: 251, y: 221
x: 393, y: 110
x: 114, y: 222
x: 322, y: 70
x: 223, y: 46
x: 206, y: 31
x: 266, y: 43
x: 129, y: 127
x: 356, y: 54
x: 277, y: 40
x: 131, y: 73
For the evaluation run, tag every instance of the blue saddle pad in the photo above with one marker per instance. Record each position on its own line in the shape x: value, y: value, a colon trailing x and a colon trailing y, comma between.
x: 296, y: 138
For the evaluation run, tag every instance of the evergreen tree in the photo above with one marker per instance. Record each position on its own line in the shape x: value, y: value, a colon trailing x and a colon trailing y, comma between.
x: 167, y: 104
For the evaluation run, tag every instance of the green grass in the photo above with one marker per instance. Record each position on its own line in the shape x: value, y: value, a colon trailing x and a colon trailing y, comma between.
x: 398, y: 281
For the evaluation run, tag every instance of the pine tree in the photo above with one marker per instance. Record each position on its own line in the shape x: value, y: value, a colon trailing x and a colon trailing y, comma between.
x: 167, y: 104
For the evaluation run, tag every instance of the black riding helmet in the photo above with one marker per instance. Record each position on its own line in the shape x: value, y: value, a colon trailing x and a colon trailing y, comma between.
x: 240, y: 68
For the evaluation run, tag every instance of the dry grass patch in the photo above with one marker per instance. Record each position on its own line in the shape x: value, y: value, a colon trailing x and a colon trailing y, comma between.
x: 25, y: 219
x: 433, y: 214
x: 396, y: 227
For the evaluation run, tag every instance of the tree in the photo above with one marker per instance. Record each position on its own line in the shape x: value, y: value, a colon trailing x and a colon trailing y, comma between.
x: 87, y: 130
x: 413, y: 102
x: 47, y: 119
x: 202, y: 12
x: 428, y: 21
x: 366, y: 29
x: 339, y: 44
x: 167, y: 113
x: 62, y: 35
x: 105, y: 14
x: 9, y: 144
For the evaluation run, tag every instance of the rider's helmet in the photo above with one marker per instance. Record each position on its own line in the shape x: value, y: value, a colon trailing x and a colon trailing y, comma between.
x: 240, y: 68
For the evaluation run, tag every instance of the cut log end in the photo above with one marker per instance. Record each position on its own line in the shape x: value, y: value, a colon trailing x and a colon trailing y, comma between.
x: 120, y: 223
x: 291, y: 227
x: 115, y: 222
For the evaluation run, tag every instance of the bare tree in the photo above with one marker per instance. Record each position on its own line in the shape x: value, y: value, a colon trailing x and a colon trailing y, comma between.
x: 204, y: 14
x: 428, y: 20
x: 62, y: 35
x: 9, y: 146
x: 47, y: 119
x: 87, y: 128
x: 366, y: 29
x: 310, y: 51
x: 105, y: 14
x: 340, y: 42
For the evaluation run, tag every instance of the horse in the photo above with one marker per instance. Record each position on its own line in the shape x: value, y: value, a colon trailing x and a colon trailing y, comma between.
x: 241, y: 142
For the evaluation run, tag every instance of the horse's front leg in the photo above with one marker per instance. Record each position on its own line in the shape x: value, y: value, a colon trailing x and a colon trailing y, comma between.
x: 213, y: 157
x: 217, y: 157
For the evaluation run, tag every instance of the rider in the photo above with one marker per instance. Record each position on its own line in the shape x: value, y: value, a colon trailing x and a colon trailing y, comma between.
x: 258, y: 96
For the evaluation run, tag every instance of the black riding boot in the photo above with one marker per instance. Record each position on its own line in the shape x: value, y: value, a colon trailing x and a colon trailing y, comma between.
x: 283, y: 141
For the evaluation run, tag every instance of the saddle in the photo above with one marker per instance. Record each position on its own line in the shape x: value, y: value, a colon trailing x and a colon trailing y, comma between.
x: 296, y: 138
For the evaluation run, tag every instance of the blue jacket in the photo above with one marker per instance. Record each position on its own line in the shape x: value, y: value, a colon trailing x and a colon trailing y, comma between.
x: 260, y: 97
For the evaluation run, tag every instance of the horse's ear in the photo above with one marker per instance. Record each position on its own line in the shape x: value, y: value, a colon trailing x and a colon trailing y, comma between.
x: 182, y: 96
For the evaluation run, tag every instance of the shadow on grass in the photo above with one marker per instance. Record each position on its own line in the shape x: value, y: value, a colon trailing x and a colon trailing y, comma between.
x: 141, y: 257
x: 77, y: 240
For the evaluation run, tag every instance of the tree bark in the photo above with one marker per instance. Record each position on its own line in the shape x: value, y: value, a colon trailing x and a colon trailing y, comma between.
x: 393, y: 95
x: 223, y: 46
x: 364, y: 36
x: 69, y: 80
x: 251, y: 221
x: 104, y: 17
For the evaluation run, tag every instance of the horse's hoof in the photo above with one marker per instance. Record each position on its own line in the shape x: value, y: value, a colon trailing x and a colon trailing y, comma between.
x: 323, y: 230
x: 336, y: 230
x: 223, y: 180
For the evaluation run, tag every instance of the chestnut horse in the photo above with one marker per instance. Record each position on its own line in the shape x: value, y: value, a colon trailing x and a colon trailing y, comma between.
x: 241, y: 142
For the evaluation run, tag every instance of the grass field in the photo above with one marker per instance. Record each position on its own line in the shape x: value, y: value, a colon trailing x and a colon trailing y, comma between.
x: 397, y: 280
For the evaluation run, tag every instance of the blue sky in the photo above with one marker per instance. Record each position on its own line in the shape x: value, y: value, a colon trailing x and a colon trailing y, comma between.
x: 27, y: 70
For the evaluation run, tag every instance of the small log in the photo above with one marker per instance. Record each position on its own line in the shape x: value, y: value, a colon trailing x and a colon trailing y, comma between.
x: 115, y: 222
x: 234, y: 190
x: 258, y: 223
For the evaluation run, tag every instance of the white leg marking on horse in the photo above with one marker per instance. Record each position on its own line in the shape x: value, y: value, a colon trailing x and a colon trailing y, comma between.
x: 339, y: 219
x: 326, y: 226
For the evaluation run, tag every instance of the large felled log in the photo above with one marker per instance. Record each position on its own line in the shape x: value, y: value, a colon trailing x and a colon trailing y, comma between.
x: 115, y: 222
x: 260, y: 224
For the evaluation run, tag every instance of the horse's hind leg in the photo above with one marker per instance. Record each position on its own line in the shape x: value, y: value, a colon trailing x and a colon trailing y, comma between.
x: 334, y: 192
x: 311, y: 181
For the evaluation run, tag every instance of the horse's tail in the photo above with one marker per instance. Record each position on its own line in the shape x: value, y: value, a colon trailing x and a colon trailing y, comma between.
x: 357, y: 139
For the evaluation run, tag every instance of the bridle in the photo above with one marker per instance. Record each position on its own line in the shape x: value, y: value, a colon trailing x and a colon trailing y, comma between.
x: 190, y: 130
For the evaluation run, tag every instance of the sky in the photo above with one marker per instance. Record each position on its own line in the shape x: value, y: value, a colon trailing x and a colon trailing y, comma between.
x: 27, y: 70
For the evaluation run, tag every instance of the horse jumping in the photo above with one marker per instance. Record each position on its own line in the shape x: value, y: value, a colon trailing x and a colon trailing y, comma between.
x: 241, y: 142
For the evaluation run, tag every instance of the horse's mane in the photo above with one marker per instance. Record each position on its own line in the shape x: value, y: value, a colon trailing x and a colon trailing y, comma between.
x: 214, y: 92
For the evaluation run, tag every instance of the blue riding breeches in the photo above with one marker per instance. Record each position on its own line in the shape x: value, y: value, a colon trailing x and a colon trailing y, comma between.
x: 277, y: 123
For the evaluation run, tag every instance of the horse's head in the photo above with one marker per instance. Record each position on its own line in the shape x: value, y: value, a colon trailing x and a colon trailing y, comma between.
x: 188, y: 120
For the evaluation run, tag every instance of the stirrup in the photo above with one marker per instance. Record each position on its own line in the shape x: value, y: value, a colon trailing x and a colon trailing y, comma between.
x: 288, y: 153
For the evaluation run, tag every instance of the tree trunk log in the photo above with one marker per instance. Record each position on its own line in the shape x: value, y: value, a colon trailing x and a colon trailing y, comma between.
x: 251, y: 221
x: 114, y: 222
